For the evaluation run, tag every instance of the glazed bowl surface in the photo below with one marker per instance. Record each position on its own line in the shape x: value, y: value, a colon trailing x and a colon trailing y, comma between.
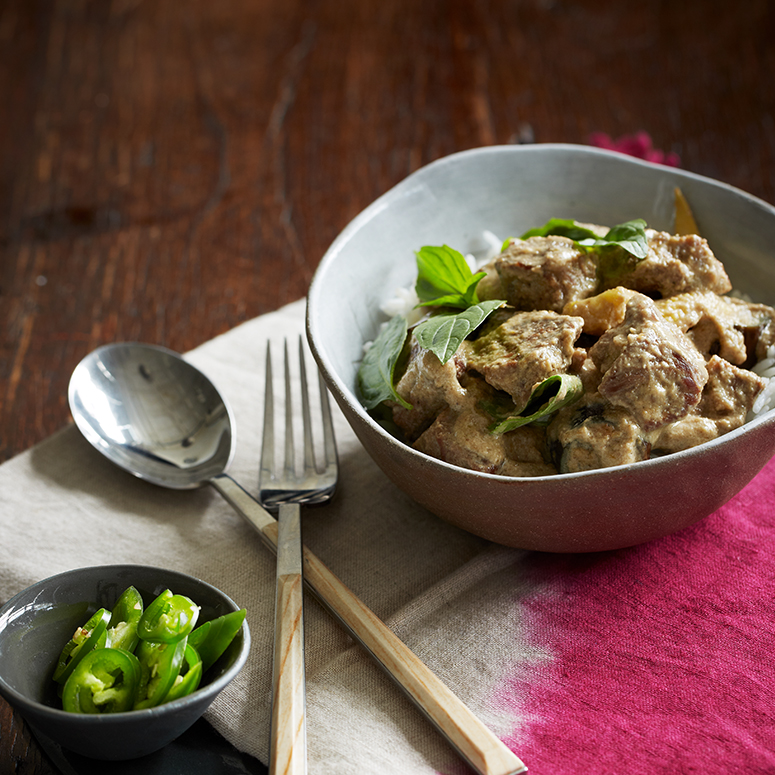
x: 506, y: 190
x: 37, y: 622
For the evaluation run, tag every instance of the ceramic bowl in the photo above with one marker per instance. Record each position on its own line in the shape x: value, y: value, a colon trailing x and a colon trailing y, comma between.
x: 36, y: 624
x: 506, y: 190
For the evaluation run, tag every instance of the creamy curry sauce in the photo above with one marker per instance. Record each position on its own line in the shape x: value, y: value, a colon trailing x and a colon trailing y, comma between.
x: 663, y: 354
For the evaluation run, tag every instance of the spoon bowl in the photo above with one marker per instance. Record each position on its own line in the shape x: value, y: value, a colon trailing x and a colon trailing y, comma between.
x: 153, y: 414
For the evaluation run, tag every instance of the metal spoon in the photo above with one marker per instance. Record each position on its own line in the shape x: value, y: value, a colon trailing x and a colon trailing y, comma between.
x: 158, y: 417
x: 153, y: 414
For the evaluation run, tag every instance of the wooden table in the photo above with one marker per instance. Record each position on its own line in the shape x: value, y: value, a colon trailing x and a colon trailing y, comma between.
x: 170, y: 169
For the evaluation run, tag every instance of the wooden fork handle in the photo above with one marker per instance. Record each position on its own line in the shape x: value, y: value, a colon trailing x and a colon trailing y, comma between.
x: 475, y: 742
x: 288, y: 736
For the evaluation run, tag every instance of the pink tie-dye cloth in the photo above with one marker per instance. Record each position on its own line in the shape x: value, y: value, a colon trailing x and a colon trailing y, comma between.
x: 638, y: 144
x: 663, y: 653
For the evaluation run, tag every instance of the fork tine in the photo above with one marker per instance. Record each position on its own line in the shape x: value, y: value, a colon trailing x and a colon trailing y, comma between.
x: 329, y: 440
x: 290, y: 463
x: 315, y: 480
x: 309, y: 455
x: 267, y: 439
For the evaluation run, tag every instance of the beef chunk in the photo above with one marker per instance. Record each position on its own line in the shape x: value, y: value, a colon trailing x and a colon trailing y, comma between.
x: 649, y: 366
x: 726, y: 400
x: 429, y: 386
x: 462, y: 437
x: 526, y: 453
x: 729, y: 394
x: 674, y: 264
x: 592, y: 433
x: 764, y: 336
x: 540, y: 273
x: 516, y: 354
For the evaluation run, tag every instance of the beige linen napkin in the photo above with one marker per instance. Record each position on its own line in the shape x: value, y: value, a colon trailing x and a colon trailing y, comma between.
x: 450, y: 596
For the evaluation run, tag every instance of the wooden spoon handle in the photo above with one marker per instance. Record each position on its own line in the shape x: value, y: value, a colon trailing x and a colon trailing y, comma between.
x: 288, y: 737
x: 477, y: 744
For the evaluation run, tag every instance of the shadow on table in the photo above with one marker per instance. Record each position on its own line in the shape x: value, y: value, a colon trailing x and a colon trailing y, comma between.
x: 198, y: 751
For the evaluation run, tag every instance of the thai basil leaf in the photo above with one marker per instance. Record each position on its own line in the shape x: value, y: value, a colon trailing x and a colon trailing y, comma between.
x: 444, y: 278
x: 561, y: 227
x: 547, y: 397
x: 375, y: 375
x: 442, y: 334
x: 630, y: 236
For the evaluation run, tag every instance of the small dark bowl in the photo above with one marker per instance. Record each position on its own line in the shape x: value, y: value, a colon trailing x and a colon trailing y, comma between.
x: 36, y: 624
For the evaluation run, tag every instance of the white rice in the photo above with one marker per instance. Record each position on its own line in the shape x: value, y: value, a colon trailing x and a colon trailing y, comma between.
x: 404, y: 302
x: 766, y: 399
x: 494, y: 245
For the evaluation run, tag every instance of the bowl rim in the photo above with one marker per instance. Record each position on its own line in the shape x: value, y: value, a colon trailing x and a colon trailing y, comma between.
x: 211, y: 689
x: 345, y: 396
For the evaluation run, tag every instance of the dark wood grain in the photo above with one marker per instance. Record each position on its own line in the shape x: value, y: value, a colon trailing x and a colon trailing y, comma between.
x: 169, y: 170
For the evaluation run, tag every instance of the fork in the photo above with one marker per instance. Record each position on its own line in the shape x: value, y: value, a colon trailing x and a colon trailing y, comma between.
x: 462, y: 729
x: 284, y: 491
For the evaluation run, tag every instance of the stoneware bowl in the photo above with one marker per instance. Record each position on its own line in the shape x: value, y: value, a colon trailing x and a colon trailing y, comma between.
x: 36, y: 624
x: 506, y: 190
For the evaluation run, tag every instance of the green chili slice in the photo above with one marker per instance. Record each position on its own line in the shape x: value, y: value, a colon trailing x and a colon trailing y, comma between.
x: 160, y: 665
x: 168, y: 618
x: 85, y: 639
x: 122, y: 629
x: 212, y: 638
x: 189, y: 677
x: 104, y: 681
